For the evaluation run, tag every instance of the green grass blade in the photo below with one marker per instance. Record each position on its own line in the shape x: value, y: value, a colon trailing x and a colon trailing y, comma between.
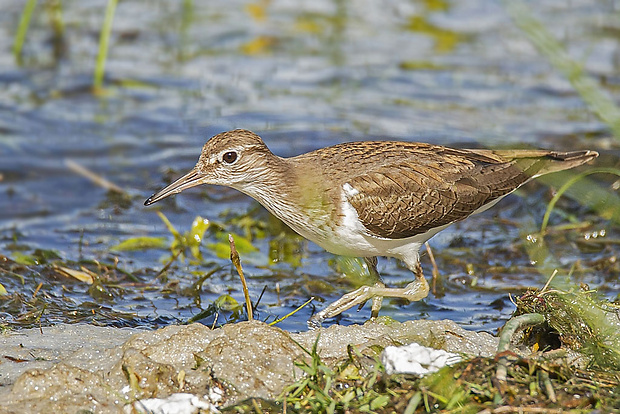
x: 104, y: 40
x: 594, y: 96
x: 603, y: 203
x: 22, y: 29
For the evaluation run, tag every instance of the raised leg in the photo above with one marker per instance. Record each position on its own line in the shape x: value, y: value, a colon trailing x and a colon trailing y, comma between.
x: 416, y: 290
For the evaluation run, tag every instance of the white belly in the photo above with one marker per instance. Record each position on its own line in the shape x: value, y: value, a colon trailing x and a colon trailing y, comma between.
x: 351, y: 238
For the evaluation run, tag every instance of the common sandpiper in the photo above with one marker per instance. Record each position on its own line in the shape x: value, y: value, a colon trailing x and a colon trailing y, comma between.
x: 369, y: 199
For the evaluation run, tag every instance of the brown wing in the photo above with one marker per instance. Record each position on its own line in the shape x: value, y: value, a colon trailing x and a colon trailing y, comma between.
x: 408, y: 198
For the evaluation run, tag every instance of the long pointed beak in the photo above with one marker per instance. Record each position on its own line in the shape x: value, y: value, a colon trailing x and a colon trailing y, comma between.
x: 189, y: 180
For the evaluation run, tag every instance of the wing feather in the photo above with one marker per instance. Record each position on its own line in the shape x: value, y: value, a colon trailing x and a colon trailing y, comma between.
x: 406, y: 199
x: 404, y: 189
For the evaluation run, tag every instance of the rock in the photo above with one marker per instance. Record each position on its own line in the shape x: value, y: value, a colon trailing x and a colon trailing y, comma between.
x: 247, y: 359
x: 375, y: 335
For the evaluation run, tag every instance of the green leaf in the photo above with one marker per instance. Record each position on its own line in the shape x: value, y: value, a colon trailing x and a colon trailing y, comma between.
x: 140, y: 243
x: 414, y: 402
x: 243, y: 244
x: 199, y: 226
x: 169, y: 225
x: 38, y: 257
x: 222, y: 248
x: 195, y: 235
x: 227, y: 303
x: 23, y: 259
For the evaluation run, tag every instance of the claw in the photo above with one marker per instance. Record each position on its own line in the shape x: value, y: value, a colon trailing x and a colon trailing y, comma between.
x: 315, y: 322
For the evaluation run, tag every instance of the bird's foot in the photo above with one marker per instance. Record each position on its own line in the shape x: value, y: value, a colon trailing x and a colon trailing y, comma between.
x: 416, y: 290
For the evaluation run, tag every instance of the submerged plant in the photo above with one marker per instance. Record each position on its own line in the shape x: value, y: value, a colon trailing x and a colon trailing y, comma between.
x: 579, y: 320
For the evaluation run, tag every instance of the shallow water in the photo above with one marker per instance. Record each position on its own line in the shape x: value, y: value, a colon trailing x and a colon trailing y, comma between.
x: 303, y: 76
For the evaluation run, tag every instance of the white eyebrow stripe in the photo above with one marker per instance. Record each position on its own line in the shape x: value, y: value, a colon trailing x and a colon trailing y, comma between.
x: 238, y: 149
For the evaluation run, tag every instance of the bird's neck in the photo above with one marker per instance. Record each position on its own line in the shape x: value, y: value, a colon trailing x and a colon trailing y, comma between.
x: 294, y: 192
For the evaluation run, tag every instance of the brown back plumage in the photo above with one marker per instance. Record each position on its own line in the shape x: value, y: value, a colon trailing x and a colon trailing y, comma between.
x: 404, y: 189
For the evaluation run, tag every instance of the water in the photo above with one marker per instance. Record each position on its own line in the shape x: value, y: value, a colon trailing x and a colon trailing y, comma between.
x: 303, y: 76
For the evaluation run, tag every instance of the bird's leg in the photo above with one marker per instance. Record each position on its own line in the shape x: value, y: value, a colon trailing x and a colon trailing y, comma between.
x: 416, y: 290
x: 371, y: 262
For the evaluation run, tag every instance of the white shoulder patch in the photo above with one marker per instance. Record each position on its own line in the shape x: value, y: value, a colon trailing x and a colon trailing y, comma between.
x: 349, y: 191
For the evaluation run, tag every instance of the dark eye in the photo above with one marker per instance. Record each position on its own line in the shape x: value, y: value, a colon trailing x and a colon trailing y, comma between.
x: 230, y: 157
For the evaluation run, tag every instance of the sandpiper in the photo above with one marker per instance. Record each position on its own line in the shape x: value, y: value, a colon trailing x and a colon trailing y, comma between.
x: 369, y: 199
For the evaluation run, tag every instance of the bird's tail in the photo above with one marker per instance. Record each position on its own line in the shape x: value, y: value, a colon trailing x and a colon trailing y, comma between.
x: 540, y: 162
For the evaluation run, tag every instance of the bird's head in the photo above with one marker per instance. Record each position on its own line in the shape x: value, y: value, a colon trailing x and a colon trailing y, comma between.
x: 235, y: 159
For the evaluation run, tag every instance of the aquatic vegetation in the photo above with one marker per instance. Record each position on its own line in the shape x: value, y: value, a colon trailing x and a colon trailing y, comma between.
x: 595, y: 97
x: 539, y: 382
x: 104, y: 41
x: 603, y: 201
x: 190, y: 240
x: 140, y: 243
x: 576, y: 320
x: 22, y: 29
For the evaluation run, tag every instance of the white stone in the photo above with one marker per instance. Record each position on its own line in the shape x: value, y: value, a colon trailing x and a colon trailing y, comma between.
x: 416, y: 359
x: 180, y: 403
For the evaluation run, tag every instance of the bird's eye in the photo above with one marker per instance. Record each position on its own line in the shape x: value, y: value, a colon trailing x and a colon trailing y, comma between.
x: 230, y: 157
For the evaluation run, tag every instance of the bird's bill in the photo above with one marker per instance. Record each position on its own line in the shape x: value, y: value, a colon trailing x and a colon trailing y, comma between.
x: 189, y: 180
